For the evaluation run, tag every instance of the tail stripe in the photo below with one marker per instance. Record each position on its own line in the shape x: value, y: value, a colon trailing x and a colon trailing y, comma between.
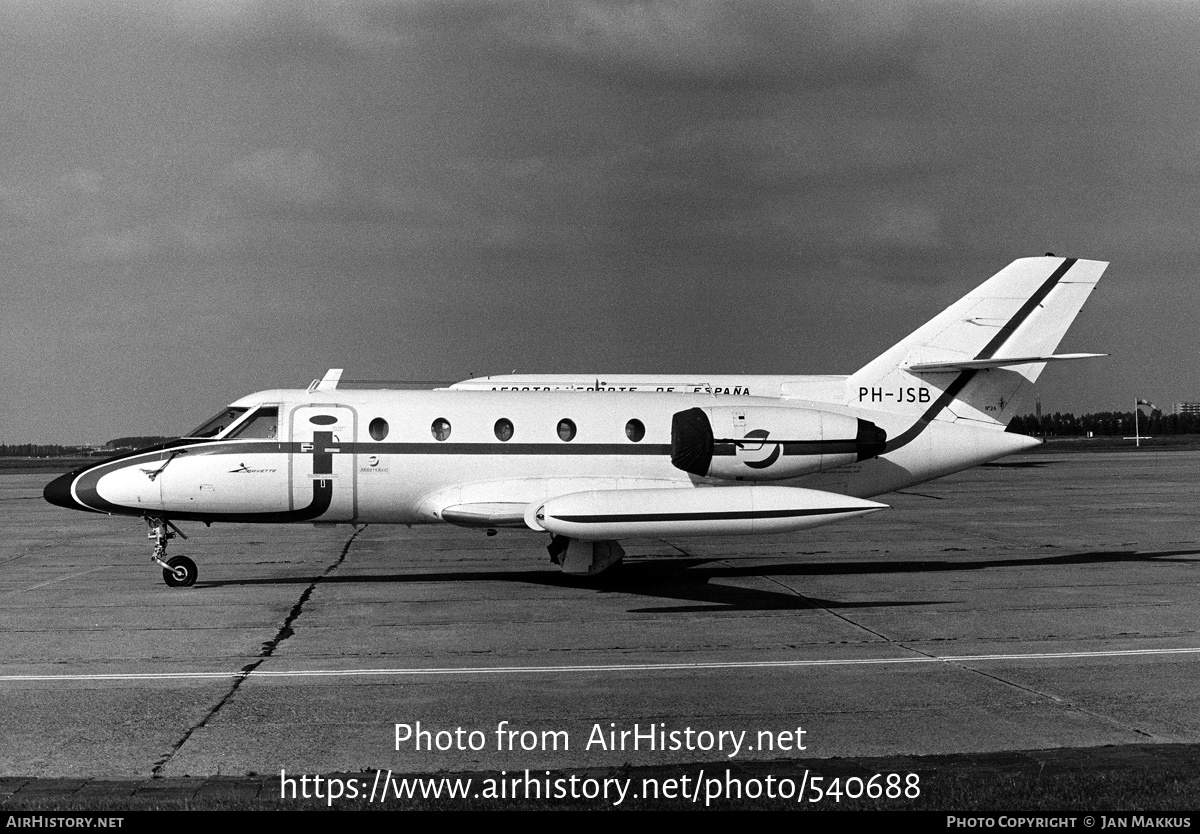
x: 989, y: 351
x: 1028, y: 307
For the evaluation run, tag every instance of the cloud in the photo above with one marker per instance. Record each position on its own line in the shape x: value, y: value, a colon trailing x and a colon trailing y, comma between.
x: 284, y: 178
x: 546, y: 160
x: 82, y: 179
x: 267, y: 34
x: 118, y: 246
x: 722, y: 42
x: 167, y: 236
x: 894, y: 224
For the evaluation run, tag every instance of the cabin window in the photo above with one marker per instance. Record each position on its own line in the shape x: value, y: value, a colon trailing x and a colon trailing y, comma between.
x: 263, y: 424
x: 378, y: 428
x: 634, y: 430
x: 566, y: 430
x: 504, y: 429
x: 215, y: 425
x: 440, y: 428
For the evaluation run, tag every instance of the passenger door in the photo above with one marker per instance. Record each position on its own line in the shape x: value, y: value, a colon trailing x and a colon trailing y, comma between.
x: 323, y: 460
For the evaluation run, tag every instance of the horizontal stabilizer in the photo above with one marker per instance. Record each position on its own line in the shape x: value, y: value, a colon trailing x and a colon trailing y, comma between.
x: 998, y: 362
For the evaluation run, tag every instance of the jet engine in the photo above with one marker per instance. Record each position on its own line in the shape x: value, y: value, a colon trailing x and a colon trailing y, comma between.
x: 765, y: 443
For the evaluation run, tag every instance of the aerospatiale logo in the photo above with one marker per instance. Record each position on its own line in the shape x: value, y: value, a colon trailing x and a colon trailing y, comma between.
x: 245, y: 468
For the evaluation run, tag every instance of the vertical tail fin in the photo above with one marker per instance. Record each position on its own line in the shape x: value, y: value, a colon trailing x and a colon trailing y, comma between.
x: 978, y: 359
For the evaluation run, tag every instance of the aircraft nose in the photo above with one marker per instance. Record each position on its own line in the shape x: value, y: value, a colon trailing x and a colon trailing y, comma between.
x: 58, y: 492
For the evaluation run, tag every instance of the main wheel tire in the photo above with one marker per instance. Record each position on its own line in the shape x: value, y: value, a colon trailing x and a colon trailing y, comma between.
x: 182, y: 573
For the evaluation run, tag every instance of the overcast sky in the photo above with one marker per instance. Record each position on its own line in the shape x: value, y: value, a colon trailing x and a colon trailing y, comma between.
x: 203, y: 199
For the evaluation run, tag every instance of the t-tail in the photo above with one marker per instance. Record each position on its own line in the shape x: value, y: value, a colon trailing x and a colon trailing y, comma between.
x: 976, y: 362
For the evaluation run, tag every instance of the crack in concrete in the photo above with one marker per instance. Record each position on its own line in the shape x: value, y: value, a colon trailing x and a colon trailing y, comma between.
x: 829, y: 610
x: 268, y: 649
x: 1062, y: 702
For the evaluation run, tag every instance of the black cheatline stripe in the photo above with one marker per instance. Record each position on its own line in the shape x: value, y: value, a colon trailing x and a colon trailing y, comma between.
x: 160, y: 447
x: 715, y: 516
x: 725, y: 448
x: 71, y: 483
x: 823, y: 447
x: 947, y: 397
x: 495, y: 447
x: 500, y: 448
x: 322, y: 498
x: 988, y: 352
x: 84, y: 481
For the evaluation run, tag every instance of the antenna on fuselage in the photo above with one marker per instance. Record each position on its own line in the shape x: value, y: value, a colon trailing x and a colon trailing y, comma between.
x: 328, y: 382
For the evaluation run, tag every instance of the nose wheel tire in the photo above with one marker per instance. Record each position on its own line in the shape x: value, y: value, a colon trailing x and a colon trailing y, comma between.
x: 181, y: 573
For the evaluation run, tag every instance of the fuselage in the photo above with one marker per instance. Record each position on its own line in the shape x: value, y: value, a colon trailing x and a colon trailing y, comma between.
x: 388, y: 456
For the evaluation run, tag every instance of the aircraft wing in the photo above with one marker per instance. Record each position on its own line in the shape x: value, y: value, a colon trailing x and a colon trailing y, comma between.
x: 595, y: 514
x: 486, y: 514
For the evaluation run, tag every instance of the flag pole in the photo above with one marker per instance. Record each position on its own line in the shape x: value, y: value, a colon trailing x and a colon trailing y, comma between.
x: 1137, y: 435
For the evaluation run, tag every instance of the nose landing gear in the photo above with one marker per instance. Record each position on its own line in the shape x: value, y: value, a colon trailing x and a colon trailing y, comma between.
x: 179, y: 571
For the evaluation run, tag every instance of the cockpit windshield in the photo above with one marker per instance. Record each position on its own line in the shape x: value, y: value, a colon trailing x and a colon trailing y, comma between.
x: 218, y: 424
x: 263, y: 424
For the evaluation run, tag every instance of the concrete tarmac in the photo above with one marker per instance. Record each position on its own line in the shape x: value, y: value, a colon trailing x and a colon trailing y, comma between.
x: 1048, y: 602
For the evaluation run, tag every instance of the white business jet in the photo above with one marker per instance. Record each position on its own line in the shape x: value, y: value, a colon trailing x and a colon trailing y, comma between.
x: 591, y: 459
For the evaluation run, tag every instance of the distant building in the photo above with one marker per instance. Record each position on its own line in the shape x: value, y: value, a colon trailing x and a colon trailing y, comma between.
x: 1186, y: 408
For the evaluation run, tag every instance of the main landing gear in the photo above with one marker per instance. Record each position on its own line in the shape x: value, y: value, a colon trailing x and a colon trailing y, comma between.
x: 580, y: 558
x: 179, y: 571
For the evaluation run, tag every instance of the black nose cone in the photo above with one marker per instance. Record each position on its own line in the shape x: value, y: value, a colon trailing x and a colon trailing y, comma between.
x: 58, y: 492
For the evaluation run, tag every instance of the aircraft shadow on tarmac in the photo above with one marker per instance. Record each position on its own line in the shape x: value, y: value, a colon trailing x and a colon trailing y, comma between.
x: 690, y: 579
x: 674, y: 579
